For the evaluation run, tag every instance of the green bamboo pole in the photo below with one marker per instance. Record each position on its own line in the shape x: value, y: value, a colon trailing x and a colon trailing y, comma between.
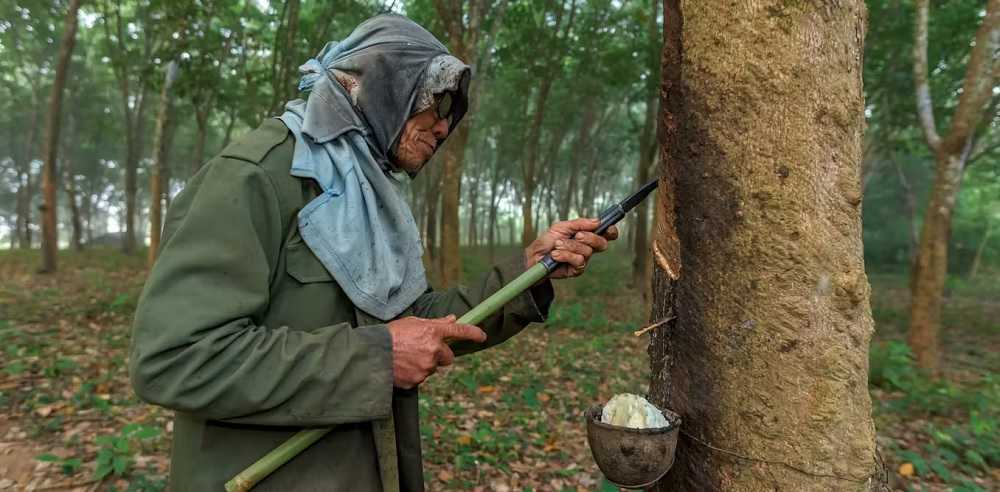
x: 303, y: 439
x: 277, y: 457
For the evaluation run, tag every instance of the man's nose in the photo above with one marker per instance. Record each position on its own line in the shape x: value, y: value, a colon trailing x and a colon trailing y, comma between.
x: 440, y: 129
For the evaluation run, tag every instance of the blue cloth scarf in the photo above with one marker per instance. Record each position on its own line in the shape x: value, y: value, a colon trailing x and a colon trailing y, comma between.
x: 360, y: 227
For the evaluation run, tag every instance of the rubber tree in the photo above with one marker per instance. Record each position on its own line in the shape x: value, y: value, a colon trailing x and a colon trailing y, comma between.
x: 758, y: 262
x: 161, y: 143
x: 50, y: 235
x: 470, y: 41
x: 951, y: 153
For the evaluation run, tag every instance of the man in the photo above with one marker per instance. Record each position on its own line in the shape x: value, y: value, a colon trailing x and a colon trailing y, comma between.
x: 289, y: 291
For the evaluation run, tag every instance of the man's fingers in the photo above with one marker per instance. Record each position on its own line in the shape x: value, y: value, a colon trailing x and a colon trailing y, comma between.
x: 454, y: 332
x: 578, y: 247
x: 445, y: 357
x: 596, y: 242
x: 570, y: 227
x: 575, y: 260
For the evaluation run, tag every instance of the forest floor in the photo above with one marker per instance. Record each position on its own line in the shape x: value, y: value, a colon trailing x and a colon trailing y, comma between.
x: 508, y: 419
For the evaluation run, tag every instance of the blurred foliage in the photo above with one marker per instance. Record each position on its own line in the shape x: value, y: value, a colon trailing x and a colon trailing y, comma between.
x: 897, y: 162
x: 967, y: 441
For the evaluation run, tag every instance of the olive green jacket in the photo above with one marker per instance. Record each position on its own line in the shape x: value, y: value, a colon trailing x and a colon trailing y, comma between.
x: 244, y: 333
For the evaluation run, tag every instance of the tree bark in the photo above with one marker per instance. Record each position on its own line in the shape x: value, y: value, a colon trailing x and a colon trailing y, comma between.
x: 759, y: 259
x: 50, y: 235
x: 161, y: 142
x: 951, y: 153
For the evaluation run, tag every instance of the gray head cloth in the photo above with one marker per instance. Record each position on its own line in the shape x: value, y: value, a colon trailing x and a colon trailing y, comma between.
x: 362, y: 91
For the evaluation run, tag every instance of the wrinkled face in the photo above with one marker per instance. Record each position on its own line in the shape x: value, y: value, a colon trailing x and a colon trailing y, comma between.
x: 422, y: 134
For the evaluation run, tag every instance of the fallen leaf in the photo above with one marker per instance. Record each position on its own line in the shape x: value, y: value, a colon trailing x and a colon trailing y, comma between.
x: 906, y: 469
x: 445, y: 476
x: 487, y: 389
x: 465, y: 439
x: 544, y: 397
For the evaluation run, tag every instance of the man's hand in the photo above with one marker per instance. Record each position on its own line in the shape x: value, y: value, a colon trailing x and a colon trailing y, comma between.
x: 571, y: 242
x: 420, y: 345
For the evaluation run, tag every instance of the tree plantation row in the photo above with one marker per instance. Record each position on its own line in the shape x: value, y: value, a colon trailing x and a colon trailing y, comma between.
x: 111, y: 106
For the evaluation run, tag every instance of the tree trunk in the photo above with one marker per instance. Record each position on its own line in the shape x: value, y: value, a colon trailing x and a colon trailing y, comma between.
x: 24, y: 191
x: 50, y: 235
x: 951, y: 153
x: 133, y: 149
x: 589, y: 188
x: 555, y: 145
x: 473, y: 210
x: 580, y: 148
x: 759, y: 258
x: 931, y: 266
x: 530, y: 164
x: 161, y: 141
x: 23, y: 221
x: 492, y: 225
x: 69, y: 186
x: 450, y: 262
x: 87, y: 212
x: 432, y: 197
x: 69, y: 144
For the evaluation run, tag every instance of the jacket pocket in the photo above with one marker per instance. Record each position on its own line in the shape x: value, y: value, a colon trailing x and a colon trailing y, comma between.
x: 303, y: 265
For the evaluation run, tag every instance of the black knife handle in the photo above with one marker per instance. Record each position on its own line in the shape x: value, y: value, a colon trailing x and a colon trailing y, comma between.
x: 609, y: 217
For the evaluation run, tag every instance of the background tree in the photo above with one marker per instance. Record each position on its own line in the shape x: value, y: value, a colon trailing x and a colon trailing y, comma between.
x: 951, y: 154
x: 161, y: 143
x: 50, y: 150
x: 760, y: 270
x: 470, y: 39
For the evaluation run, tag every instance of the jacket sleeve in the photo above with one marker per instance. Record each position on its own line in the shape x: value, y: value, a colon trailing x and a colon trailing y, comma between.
x: 530, y: 306
x: 195, y: 347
